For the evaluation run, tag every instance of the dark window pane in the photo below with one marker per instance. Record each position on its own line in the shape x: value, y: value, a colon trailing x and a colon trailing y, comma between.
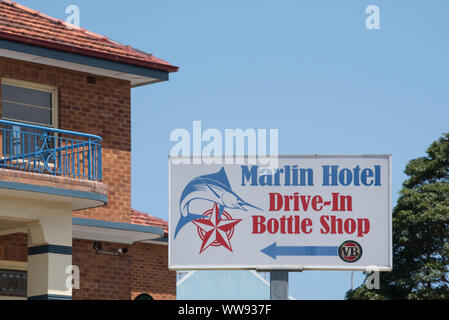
x: 27, y: 96
x: 24, y: 113
x: 13, y: 283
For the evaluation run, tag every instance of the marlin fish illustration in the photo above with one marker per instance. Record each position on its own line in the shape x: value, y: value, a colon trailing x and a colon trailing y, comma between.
x: 210, y: 187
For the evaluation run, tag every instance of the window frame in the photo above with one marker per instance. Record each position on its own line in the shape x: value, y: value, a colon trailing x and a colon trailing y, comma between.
x: 40, y: 87
x: 13, y: 266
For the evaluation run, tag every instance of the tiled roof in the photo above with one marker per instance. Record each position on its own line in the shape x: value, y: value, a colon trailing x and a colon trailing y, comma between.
x: 139, y: 217
x: 21, y: 24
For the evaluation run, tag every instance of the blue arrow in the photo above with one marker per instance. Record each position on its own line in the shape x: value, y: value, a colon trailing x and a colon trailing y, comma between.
x: 273, y: 250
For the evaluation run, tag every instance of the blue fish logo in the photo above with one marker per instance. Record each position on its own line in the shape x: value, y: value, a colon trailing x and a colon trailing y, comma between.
x: 210, y: 187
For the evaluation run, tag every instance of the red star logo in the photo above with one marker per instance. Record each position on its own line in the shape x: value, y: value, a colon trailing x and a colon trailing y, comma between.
x: 216, y: 231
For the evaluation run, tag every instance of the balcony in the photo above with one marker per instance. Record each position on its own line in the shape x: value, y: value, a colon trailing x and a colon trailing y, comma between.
x: 39, y: 149
x: 42, y: 162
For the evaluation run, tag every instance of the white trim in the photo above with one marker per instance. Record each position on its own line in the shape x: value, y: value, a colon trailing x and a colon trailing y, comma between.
x: 28, y: 122
x: 13, y: 230
x: 13, y: 265
x: 28, y: 84
x: 161, y: 243
x: 278, y: 267
x: 135, y: 80
x: 111, y: 235
x: 12, y: 298
x: 27, y: 105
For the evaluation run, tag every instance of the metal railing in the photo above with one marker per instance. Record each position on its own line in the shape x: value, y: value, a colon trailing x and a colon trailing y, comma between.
x: 40, y: 149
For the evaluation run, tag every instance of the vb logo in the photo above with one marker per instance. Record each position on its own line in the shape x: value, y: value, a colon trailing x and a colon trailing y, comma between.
x: 350, y: 251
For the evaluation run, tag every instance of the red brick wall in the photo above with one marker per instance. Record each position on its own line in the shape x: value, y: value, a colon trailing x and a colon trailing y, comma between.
x: 142, y: 270
x: 103, y: 109
x: 150, y: 272
x: 101, y: 276
x: 14, y: 247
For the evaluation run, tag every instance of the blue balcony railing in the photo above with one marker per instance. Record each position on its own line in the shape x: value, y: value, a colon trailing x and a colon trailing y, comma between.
x: 39, y: 149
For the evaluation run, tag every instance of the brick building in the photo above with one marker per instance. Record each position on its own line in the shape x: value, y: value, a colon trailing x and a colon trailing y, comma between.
x: 65, y: 165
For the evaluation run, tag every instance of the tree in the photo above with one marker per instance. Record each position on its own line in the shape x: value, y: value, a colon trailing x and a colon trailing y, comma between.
x: 420, y: 232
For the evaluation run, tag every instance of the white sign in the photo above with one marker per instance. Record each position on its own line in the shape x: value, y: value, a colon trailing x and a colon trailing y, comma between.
x: 312, y: 212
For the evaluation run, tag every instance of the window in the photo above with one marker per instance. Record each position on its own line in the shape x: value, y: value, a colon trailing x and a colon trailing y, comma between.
x: 29, y: 102
x: 13, y: 283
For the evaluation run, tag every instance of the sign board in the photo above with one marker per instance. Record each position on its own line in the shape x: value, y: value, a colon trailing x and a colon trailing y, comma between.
x: 311, y: 212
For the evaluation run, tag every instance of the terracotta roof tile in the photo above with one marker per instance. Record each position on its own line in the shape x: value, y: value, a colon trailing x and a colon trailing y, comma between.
x: 139, y: 217
x: 22, y: 24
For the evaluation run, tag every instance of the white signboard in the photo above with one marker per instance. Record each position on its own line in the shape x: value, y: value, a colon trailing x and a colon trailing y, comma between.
x: 311, y: 212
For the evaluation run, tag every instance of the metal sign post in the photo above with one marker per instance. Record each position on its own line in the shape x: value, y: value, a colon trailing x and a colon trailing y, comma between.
x: 279, y: 285
x: 279, y: 280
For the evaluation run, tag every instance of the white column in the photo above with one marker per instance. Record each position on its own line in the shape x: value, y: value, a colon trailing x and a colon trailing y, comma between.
x: 49, y: 223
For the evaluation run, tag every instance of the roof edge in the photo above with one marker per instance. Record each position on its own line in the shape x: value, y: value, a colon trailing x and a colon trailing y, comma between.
x: 117, y: 225
x: 87, y: 52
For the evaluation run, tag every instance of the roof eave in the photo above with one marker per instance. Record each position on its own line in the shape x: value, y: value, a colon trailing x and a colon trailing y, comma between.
x: 101, y: 230
x: 136, y: 75
x: 86, y: 52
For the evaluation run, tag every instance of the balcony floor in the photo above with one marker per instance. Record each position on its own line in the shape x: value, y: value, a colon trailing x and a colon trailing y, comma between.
x: 81, y: 193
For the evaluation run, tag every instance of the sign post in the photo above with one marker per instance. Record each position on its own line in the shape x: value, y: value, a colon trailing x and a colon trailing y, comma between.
x: 279, y: 285
x: 310, y: 212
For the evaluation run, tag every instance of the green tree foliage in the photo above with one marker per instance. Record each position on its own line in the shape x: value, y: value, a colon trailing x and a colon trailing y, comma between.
x: 420, y: 232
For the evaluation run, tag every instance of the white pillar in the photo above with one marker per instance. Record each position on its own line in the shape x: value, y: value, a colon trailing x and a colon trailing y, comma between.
x: 49, y: 254
x: 49, y: 224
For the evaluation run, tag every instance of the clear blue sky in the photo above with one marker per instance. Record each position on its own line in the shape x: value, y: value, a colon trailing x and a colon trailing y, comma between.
x: 309, y: 68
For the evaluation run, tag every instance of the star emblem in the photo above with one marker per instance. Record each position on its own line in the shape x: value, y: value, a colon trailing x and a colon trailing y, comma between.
x: 215, y: 229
